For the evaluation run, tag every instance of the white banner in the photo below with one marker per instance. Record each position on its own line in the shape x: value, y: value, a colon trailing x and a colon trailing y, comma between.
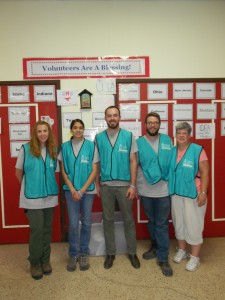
x: 84, y: 67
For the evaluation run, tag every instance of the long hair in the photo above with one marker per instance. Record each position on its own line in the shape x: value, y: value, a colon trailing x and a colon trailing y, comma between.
x: 35, y: 146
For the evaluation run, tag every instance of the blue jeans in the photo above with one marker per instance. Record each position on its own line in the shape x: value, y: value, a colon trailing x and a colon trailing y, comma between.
x: 79, y: 240
x: 157, y: 211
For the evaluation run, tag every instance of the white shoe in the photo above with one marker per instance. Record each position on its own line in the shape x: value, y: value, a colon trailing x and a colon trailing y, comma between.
x: 193, y: 263
x: 179, y: 256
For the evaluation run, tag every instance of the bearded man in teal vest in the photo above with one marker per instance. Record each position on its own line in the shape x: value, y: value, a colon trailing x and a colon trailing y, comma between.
x: 154, y: 153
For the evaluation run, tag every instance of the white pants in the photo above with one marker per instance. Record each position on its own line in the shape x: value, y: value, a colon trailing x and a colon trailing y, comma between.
x: 188, y: 219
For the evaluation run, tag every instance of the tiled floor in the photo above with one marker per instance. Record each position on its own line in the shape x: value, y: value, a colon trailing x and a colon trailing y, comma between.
x: 120, y: 282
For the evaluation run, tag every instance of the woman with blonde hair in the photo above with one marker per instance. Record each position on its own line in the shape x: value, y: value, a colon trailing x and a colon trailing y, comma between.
x: 35, y: 169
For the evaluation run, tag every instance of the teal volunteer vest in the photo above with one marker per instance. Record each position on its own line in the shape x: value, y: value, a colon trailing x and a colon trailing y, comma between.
x: 79, y: 168
x: 40, y: 181
x: 182, y: 175
x: 155, y: 166
x: 115, y: 161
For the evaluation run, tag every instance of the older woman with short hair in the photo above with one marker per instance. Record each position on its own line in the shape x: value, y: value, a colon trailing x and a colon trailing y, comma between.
x: 188, y: 184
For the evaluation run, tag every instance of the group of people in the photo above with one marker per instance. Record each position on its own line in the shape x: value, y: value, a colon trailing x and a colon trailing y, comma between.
x: 116, y: 167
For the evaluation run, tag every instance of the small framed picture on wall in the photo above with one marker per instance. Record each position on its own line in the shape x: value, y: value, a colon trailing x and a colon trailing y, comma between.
x: 85, y: 99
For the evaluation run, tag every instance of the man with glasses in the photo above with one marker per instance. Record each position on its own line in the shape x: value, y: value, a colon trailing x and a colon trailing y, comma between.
x: 154, y: 153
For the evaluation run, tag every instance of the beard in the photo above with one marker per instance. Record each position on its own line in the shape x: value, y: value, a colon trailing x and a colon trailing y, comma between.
x: 113, y: 126
x: 152, y: 133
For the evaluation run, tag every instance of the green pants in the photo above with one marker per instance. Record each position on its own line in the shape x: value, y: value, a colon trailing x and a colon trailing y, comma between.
x: 109, y: 194
x: 40, y: 221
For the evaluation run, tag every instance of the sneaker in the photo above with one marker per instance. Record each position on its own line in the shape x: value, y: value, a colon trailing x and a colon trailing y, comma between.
x: 166, y: 268
x: 193, y: 263
x: 179, y: 256
x: 46, y: 268
x: 83, y: 261
x: 36, y: 271
x: 71, y: 266
x: 151, y: 253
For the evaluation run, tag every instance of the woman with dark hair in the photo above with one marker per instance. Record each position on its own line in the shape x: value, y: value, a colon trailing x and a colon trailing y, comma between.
x: 35, y: 169
x: 79, y: 168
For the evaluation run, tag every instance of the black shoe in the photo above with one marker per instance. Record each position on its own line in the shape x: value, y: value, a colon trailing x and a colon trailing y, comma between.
x: 134, y: 261
x: 109, y: 261
x: 166, y: 268
x: 151, y: 253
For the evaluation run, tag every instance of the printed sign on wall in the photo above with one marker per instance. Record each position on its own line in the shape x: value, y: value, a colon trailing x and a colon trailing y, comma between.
x: 85, y: 67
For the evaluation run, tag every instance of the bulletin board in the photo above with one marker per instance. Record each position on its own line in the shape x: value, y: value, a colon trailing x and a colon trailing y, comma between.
x: 199, y: 101
x: 22, y: 103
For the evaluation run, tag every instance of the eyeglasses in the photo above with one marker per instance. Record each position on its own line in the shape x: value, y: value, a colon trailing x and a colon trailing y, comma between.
x: 153, y: 123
